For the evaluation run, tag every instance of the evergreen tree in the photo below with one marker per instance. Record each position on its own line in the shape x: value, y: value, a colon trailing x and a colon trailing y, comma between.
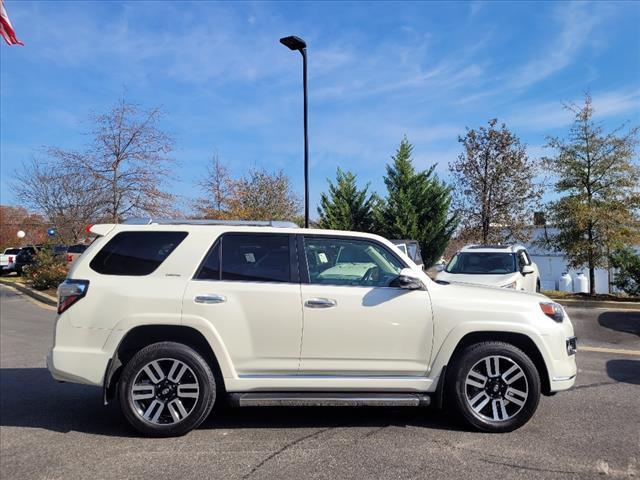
x: 417, y: 206
x: 345, y: 207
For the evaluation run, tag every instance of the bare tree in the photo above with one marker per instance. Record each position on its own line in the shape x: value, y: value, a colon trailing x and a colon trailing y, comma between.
x: 128, y: 158
x: 68, y: 199
x: 218, y: 187
x: 494, y: 184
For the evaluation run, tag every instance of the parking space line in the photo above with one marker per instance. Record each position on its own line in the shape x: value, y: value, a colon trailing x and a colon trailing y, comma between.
x: 620, y: 351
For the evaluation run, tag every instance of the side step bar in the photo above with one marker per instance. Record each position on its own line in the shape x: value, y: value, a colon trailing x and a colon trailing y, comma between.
x: 328, y: 399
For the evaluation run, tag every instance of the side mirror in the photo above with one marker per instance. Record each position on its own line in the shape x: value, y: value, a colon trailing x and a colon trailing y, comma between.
x: 439, y: 267
x: 407, y: 280
x: 526, y: 270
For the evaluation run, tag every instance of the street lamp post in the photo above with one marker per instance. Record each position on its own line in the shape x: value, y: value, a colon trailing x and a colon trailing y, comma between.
x: 296, y: 43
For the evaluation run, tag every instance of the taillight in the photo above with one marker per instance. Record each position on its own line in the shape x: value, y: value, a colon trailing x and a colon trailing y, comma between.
x: 69, y: 258
x: 10, y: 259
x: 70, y: 291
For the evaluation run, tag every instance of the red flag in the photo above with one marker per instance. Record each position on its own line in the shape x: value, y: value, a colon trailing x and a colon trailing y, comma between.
x: 6, y: 29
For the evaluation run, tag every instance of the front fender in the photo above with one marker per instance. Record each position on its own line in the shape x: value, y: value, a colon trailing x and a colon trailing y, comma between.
x: 443, y: 356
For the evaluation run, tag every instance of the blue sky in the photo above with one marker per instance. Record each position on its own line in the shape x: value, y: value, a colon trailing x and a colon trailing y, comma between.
x: 377, y: 71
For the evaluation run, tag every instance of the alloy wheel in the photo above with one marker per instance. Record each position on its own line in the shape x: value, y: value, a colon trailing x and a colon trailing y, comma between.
x: 165, y: 391
x: 496, y: 388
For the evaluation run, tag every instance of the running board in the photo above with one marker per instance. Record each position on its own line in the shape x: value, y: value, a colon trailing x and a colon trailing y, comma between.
x: 329, y: 399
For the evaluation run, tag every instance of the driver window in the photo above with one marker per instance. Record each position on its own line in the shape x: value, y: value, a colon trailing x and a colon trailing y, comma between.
x: 343, y: 261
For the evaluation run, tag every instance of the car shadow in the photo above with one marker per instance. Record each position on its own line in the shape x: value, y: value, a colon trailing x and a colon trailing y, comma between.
x: 29, y: 397
x: 624, y: 371
x: 621, y: 321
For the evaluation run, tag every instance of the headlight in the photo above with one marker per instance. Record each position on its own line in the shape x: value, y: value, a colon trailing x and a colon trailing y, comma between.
x: 512, y: 285
x: 552, y: 310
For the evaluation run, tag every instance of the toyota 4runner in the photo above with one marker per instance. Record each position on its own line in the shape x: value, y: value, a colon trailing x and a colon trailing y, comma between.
x: 174, y: 316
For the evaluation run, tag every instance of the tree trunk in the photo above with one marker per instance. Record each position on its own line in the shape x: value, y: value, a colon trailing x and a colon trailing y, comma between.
x: 592, y: 280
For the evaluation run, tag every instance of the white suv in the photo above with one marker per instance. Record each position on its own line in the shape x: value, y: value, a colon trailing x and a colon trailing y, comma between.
x: 506, y: 266
x: 173, y: 317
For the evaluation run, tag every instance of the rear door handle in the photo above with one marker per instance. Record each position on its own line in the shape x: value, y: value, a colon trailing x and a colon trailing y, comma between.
x: 210, y: 299
x: 320, y: 303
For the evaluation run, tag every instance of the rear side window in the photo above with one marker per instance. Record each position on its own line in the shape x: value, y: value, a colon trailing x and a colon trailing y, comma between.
x: 76, y: 248
x: 136, y: 253
x: 249, y: 258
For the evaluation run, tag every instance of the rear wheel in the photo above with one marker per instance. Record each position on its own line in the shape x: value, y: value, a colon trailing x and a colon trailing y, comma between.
x: 167, y: 389
x: 495, y: 386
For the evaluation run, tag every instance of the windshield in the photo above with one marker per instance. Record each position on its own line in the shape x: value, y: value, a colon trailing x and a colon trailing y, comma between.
x: 11, y: 251
x: 487, y: 263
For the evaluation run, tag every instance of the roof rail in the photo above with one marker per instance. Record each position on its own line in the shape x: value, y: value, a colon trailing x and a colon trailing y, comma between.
x: 186, y: 221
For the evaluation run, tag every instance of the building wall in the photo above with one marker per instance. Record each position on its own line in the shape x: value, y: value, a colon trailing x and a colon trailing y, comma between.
x: 552, y: 266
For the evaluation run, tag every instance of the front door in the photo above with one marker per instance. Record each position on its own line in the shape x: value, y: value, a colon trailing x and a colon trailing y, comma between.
x: 355, y: 324
x: 247, y: 289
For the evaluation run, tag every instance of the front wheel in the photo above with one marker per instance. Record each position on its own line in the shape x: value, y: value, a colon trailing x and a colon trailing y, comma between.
x: 495, y: 386
x: 167, y: 389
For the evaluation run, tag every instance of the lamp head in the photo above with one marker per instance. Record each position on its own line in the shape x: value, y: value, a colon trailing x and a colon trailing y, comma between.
x: 293, y: 43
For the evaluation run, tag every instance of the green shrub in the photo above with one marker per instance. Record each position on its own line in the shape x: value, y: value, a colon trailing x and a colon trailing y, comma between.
x: 627, y: 278
x: 48, y: 271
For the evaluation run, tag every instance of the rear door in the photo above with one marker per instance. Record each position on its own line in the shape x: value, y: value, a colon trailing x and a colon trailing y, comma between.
x: 248, y: 288
x: 355, y: 323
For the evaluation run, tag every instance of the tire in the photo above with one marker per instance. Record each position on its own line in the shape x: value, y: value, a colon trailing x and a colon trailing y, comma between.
x: 166, y: 390
x: 494, y: 397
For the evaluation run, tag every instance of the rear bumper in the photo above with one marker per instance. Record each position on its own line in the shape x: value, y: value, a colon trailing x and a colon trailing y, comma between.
x: 78, y: 354
x: 86, y: 367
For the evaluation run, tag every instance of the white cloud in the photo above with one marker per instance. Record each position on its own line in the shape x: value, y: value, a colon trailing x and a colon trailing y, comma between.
x: 549, y: 115
x: 576, y: 22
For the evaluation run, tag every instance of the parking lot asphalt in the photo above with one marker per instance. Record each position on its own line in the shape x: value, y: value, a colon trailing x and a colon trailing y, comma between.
x: 50, y: 430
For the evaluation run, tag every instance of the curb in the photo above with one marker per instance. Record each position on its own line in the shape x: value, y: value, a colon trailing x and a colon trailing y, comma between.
x: 598, y: 304
x: 35, y: 294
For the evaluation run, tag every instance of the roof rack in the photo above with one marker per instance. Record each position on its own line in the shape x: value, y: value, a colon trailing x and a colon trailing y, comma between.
x: 186, y: 221
x: 489, y: 246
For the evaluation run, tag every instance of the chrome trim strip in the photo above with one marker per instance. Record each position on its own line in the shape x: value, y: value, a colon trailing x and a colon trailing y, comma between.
x: 563, y: 379
x: 181, y: 221
x: 334, y: 377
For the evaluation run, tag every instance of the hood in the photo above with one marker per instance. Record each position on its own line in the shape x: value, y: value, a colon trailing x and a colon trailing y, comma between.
x: 486, y: 280
x: 487, y: 293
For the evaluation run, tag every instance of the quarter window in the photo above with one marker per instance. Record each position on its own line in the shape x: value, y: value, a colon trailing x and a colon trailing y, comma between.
x: 343, y: 261
x: 136, y: 253
x: 210, y: 268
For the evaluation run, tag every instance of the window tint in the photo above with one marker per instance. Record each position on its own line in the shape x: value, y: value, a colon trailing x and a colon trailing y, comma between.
x: 76, y: 248
x: 343, y: 261
x: 11, y: 251
x: 59, y: 249
x: 260, y: 258
x: 210, y: 268
x: 482, y: 263
x: 136, y: 253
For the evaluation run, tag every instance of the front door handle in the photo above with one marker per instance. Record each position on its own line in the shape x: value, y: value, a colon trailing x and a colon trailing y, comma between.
x: 210, y: 299
x: 320, y: 303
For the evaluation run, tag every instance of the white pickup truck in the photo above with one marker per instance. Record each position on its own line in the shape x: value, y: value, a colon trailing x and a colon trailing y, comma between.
x: 8, y: 260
